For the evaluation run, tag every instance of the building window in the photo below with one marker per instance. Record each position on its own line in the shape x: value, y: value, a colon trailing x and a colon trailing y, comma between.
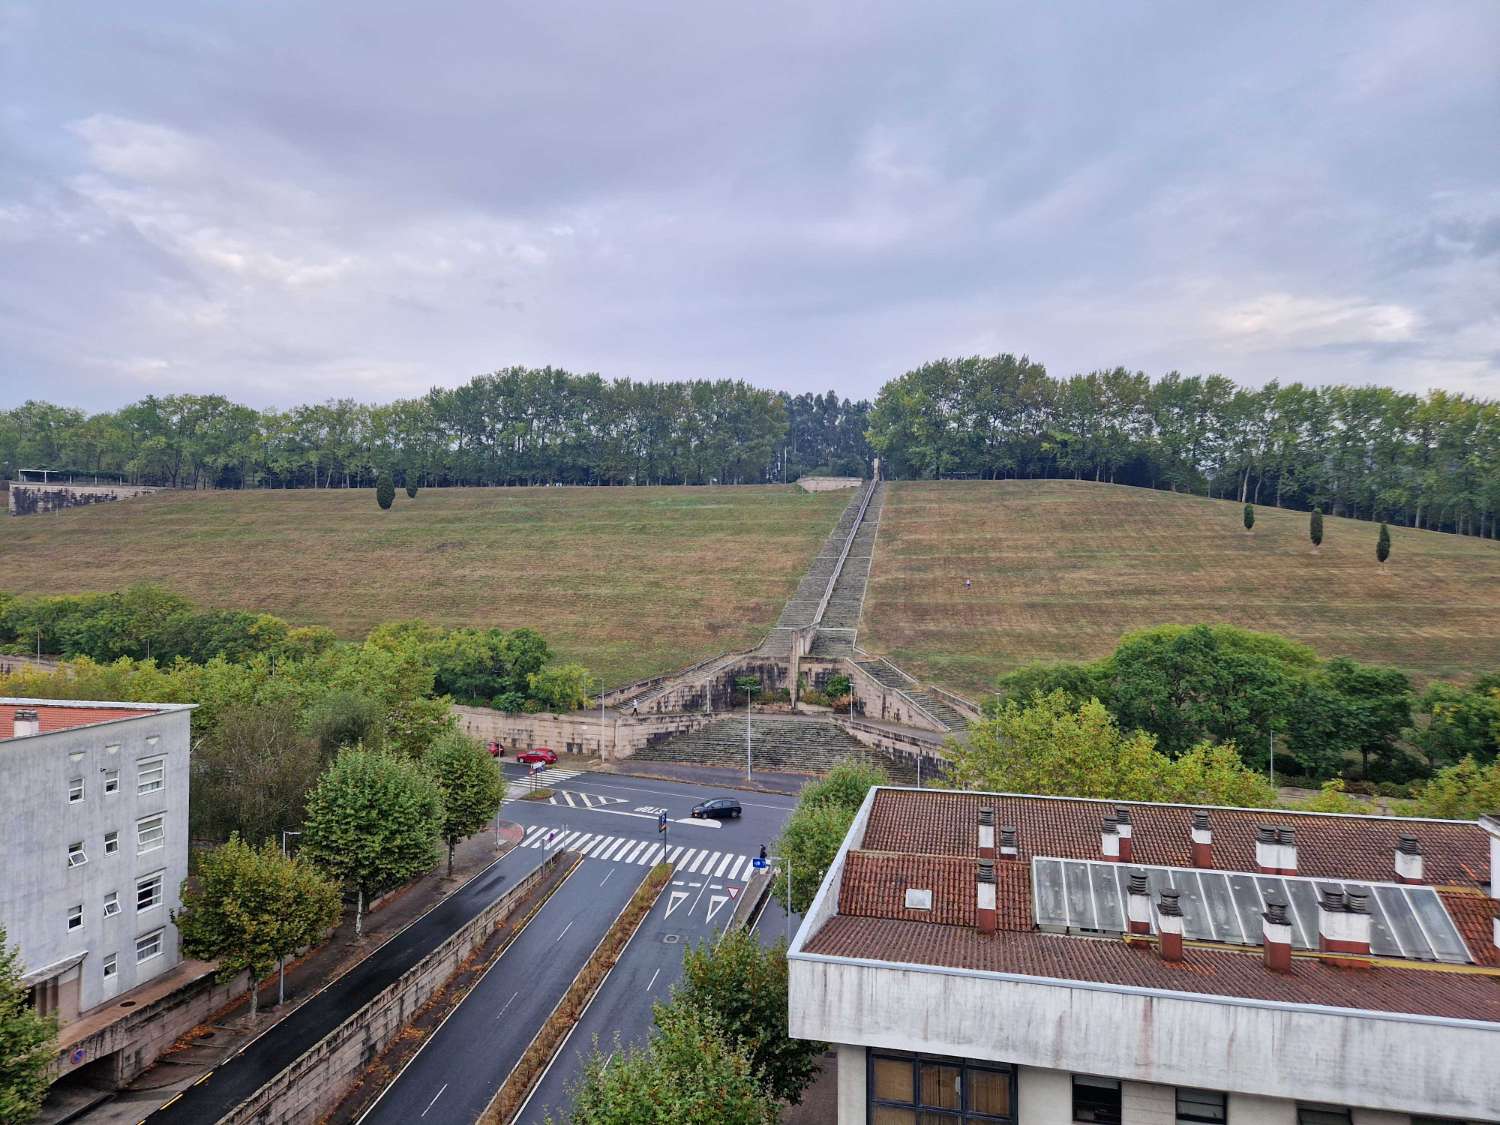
x: 148, y: 947
x: 111, y: 781
x: 77, y: 857
x: 110, y: 963
x: 148, y: 892
x: 1322, y: 1114
x: 111, y: 904
x: 75, y: 917
x: 1096, y: 1099
x: 920, y: 1089
x: 151, y: 776
x: 75, y: 790
x: 150, y: 834
x: 1208, y: 1106
x: 111, y: 843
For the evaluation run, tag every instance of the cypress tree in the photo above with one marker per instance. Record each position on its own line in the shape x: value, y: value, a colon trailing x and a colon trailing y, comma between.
x: 385, y: 490
x: 411, y: 488
x: 1249, y: 516
x: 1383, y: 545
x: 1315, y: 529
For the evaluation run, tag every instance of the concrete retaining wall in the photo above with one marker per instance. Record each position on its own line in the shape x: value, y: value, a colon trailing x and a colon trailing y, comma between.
x: 874, y: 700
x: 312, y: 1085
x: 27, y: 498
x: 827, y: 484
x: 577, y: 732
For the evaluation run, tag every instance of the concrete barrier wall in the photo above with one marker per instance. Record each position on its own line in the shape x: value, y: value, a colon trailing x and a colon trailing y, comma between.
x: 874, y: 700
x: 315, y: 1083
x: 581, y: 732
x: 27, y: 498
x: 827, y: 484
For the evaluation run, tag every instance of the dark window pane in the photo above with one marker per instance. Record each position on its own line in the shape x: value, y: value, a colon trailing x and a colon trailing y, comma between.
x: 1201, y: 1105
x: 1096, y: 1100
x: 893, y: 1082
x: 1322, y: 1115
x: 989, y: 1092
x: 940, y: 1086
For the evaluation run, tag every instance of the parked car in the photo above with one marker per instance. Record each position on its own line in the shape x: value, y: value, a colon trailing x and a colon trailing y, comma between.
x: 725, y: 808
x: 540, y: 754
x: 496, y: 750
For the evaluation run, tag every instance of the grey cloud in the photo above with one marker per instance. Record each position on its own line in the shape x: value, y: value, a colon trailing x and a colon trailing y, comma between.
x: 287, y: 201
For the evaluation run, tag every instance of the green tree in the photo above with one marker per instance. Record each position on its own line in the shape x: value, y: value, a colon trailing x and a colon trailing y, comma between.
x: 252, y: 771
x: 472, y: 786
x: 743, y: 984
x: 1383, y: 545
x: 811, y: 837
x: 747, y: 686
x: 1463, y: 791
x: 1053, y: 747
x: 385, y: 490
x: 248, y: 908
x: 26, y: 1042
x: 688, y: 1071
x: 1315, y: 529
x: 1079, y: 682
x: 373, y: 821
x: 1333, y: 798
x: 1249, y: 517
x: 561, y: 687
x: 1460, y: 722
x: 411, y: 487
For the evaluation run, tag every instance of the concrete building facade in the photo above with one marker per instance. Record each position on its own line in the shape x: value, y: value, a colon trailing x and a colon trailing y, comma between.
x: 1003, y: 958
x: 94, y: 845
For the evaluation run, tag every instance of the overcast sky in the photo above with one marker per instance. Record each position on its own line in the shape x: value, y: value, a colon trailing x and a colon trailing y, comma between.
x: 288, y: 201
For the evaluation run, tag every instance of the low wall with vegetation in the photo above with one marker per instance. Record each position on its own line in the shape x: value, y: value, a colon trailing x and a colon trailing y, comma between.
x: 315, y: 1082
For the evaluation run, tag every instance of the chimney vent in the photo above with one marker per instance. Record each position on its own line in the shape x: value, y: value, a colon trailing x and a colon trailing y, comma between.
x: 985, y: 901
x: 1138, y: 903
x: 1408, y: 860
x: 1169, y: 925
x: 1277, y: 933
x: 1123, y: 828
x: 1344, y: 925
x: 1203, y: 839
x: 1286, y: 844
x: 1008, y: 848
x: 1109, y: 840
x: 26, y: 723
x: 986, y: 832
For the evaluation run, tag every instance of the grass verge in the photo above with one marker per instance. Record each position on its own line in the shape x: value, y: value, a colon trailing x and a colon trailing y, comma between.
x: 512, y: 1095
x: 537, y: 795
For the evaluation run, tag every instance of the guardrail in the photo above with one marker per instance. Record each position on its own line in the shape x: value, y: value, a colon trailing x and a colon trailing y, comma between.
x: 838, y: 569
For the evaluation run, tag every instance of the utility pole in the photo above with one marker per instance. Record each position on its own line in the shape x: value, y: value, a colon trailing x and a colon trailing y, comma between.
x: 1273, y: 757
x: 281, y: 961
x: 749, y: 700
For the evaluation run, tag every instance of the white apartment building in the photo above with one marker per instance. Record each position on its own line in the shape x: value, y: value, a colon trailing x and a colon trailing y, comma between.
x: 1002, y: 958
x: 93, y: 845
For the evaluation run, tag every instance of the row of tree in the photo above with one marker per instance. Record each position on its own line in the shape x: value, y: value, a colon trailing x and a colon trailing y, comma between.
x: 516, y: 426
x: 1430, y: 461
x: 1266, y: 695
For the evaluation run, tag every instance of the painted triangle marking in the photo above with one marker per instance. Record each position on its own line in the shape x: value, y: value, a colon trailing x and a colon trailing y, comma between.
x: 674, y: 901
x: 715, y: 904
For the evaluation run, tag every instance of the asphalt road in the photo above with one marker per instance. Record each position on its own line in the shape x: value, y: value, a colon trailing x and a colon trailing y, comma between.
x: 464, y: 1062
x: 235, y: 1080
x: 694, y: 906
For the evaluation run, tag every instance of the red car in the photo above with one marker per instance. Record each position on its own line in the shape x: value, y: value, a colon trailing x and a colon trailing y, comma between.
x: 540, y: 754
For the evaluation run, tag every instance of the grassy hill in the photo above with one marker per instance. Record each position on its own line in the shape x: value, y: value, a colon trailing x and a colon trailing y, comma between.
x: 630, y: 581
x: 1062, y: 568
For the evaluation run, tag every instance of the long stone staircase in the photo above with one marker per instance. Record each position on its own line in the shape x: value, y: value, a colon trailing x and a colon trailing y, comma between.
x: 776, y: 743
x: 889, y: 676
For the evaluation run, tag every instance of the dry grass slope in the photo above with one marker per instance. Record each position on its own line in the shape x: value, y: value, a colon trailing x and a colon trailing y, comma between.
x: 1062, y: 568
x: 630, y: 581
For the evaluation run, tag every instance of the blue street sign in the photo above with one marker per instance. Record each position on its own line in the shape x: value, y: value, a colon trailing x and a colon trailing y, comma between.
x: 661, y: 822
x: 758, y: 864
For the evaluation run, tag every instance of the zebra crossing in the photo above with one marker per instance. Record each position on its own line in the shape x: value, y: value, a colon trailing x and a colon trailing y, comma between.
x: 574, y: 800
x: 728, y: 866
x: 548, y: 777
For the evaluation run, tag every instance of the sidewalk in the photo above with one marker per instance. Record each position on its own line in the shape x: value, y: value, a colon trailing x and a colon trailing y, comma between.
x: 209, y: 1044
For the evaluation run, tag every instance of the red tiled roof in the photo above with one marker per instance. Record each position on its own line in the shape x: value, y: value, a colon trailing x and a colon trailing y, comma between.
x: 938, y: 822
x: 64, y: 718
x: 875, y: 885
x: 1210, y: 972
x: 1474, y: 915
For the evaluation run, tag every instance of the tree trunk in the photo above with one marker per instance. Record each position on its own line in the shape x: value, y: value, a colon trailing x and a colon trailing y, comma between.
x: 451, y: 844
x: 359, y: 914
x: 254, y: 997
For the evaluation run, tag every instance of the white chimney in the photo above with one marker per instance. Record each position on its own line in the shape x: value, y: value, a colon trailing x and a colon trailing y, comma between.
x: 26, y: 723
x: 1267, y: 853
x: 1008, y: 847
x: 1408, y: 860
x: 1490, y: 822
x: 1203, y: 839
x: 1169, y: 925
x: 1344, y: 925
x: 1138, y: 903
x: 985, y: 897
x: 986, y: 833
x: 1109, y: 840
x: 1276, y: 932
x: 1286, y: 846
x: 1123, y: 827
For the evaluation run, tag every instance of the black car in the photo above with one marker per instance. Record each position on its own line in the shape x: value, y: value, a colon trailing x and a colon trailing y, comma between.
x: 723, y: 807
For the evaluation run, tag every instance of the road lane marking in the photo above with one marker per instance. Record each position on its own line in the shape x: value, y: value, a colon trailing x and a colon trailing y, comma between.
x: 734, y: 872
x: 435, y: 1097
x: 653, y: 979
x: 565, y: 929
x: 686, y: 858
x: 507, y: 1004
x: 723, y: 867
x: 673, y: 854
x: 715, y: 904
x: 674, y: 900
x: 606, y: 878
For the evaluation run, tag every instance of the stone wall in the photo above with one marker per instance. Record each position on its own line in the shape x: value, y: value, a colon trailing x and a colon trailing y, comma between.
x: 312, y: 1085
x: 577, y: 732
x: 827, y: 484
x: 874, y: 700
x: 28, y: 499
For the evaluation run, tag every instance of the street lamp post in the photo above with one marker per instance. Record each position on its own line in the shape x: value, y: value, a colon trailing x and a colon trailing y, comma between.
x: 749, y: 703
x: 281, y: 961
